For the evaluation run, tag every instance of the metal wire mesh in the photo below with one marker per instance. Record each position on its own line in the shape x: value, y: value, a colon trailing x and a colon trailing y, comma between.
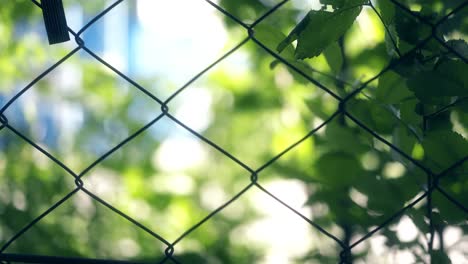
x: 345, y: 255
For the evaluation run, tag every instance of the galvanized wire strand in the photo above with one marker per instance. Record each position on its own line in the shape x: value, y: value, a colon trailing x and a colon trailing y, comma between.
x: 251, y: 33
x: 213, y: 213
x: 445, y: 108
x: 312, y: 223
x: 390, y: 66
x: 37, y: 79
x: 297, y: 143
x: 79, y: 184
x: 383, y: 140
x: 433, y: 179
x: 291, y: 66
x: 411, y: 13
x: 198, y: 75
x: 120, y: 145
x: 226, y: 13
x: 117, y: 211
x: 42, y: 150
x: 268, y: 13
x: 392, y: 39
x: 170, y: 249
x: 124, y: 76
x: 99, y: 16
x: 37, y: 219
x: 389, y: 220
x: 211, y: 143
x: 452, y: 199
x: 452, y: 50
x: 455, y: 165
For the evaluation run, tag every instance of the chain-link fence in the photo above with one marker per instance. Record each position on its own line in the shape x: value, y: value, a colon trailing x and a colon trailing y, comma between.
x: 255, y: 182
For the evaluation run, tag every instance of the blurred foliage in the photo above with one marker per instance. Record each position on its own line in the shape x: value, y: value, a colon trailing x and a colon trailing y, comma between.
x: 353, y: 181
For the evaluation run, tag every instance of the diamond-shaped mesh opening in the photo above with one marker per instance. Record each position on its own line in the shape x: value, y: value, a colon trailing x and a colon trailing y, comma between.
x: 257, y: 228
x: 168, y: 174
x: 151, y: 42
x: 91, y: 111
x: 348, y: 169
x: 70, y: 231
x: 344, y: 146
x: 27, y: 189
x: 282, y: 107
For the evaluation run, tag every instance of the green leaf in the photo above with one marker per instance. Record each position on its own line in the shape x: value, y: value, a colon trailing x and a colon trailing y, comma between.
x: 378, y: 190
x: 390, y: 44
x: 334, y: 57
x: 446, y: 210
x: 455, y: 70
x: 387, y: 11
x: 418, y: 215
x: 294, y: 34
x: 320, y: 28
x: 375, y: 116
x: 301, y: 66
x: 449, y: 79
x: 460, y: 46
x: 392, y: 88
x: 408, y: 113
x: 409, y: 28
x: 443, y: 148
x: 410, y: 64
x: 271, y: 37
x: 439, y: 122
x: 341, y: 137
x: 440, y: 257
x: 462, y: 111
x: 338, y: 169
x: 404, y: 139
x: 334, y: 3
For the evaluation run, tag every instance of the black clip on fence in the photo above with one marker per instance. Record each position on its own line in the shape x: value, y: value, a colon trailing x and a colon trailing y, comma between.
x: 55, y: 21
x: 57, y: 30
